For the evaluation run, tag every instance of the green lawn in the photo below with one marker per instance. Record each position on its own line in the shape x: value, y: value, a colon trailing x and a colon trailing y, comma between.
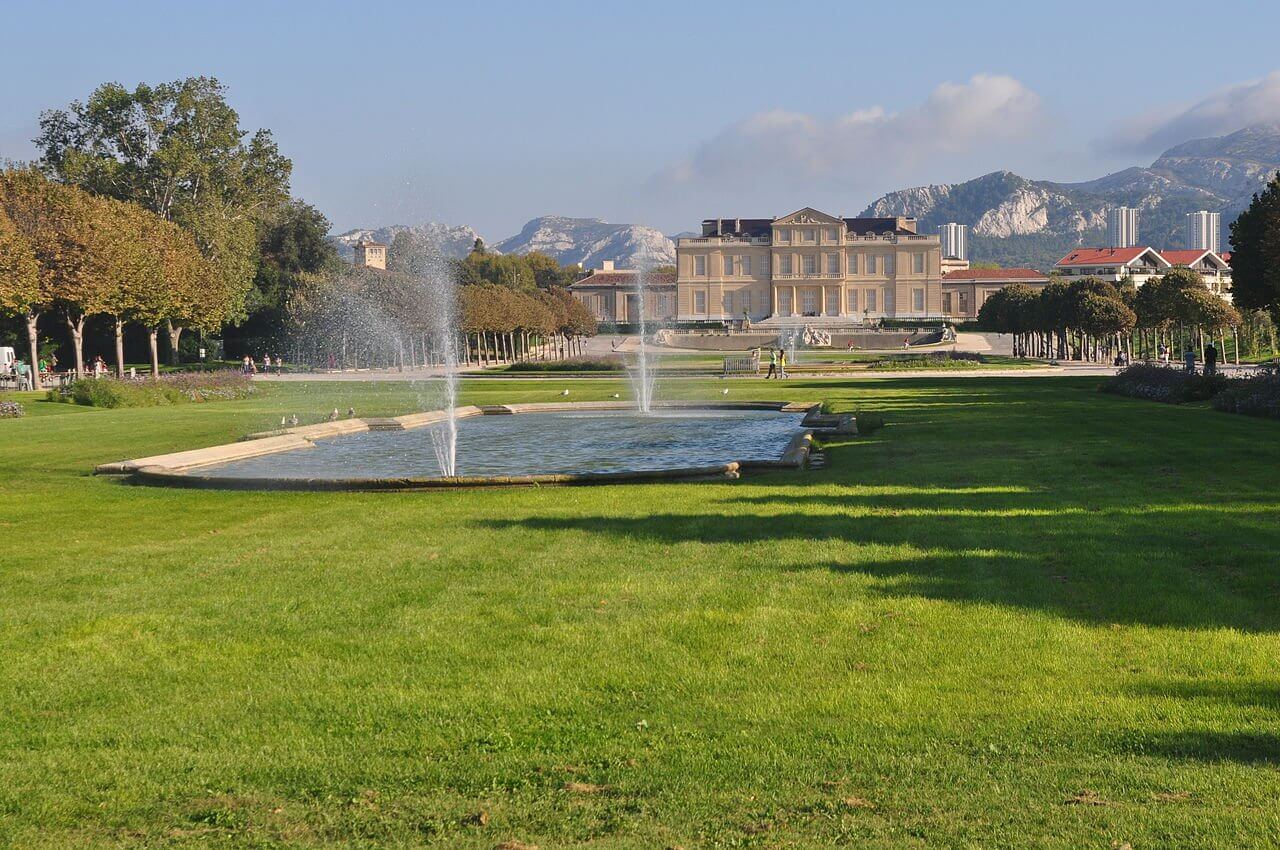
x: 1023, y: 614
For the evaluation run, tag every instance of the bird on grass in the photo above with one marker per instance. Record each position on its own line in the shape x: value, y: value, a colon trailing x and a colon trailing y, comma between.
x: 351, y: 412
x: 564, y: 392
x: 333, y: 416
x: 283, y: 420
x: 293, y: 420
x: 724, y: 391
x: 615, y: 395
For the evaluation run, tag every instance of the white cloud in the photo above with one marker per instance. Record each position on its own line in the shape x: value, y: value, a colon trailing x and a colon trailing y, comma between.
x: 1224, y: 111
x: 956, y: 119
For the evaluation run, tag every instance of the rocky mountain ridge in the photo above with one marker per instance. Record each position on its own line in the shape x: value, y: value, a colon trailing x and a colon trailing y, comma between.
x: 585, y: 241
x: 1016, y: 220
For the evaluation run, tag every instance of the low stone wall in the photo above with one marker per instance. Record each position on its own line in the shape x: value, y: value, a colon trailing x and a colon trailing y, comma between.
x: 179, y: 469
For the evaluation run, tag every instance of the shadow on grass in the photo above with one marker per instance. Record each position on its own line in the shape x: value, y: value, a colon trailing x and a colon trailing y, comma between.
x: 1133, y: 566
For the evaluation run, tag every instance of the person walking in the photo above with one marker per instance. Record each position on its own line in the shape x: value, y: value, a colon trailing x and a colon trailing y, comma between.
x: 1211, y: 359
x: 782, y: 364
x: 1189, y: 360
x: 23, y: 371
x: 773, y: 364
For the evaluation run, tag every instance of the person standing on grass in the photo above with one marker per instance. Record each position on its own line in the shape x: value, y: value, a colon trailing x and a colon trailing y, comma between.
x: 23, y: 371
x: 1210, y: 359
x: 782, y: 364
x: 1189, y: 360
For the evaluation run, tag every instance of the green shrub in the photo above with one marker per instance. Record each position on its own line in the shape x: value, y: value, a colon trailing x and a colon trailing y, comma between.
x: 577, y: 364
x: 1164, y: 383
x: 176, y: 388
x: 868, y: 423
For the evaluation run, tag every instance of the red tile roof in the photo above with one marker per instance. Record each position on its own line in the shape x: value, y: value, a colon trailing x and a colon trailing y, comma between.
x: 994, y: 274
x: 1183, y: 258
x: 1102, y: 256
x: 1226, y: 257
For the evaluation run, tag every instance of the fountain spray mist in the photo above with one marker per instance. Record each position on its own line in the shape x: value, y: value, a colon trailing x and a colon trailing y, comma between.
x: 642, y: 378
x: 441, y: 296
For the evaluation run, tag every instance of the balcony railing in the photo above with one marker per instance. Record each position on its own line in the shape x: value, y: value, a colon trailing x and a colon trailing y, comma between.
x: 808, y: 276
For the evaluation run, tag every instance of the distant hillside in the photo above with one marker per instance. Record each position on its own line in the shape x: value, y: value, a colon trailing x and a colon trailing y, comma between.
x: 590, y: 241
x: 1034, y: 222
x: 585, y: 241
x: 453, y: 240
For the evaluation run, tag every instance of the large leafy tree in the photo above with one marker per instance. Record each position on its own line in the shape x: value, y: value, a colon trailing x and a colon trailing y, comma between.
x: 293, y: 253
x: 1255, y: 251
x: 177, y: 149
x: 19, y: 273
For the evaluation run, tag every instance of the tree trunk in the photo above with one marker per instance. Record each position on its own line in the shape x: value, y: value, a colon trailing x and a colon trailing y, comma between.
x: 154, y: 335
x: 75, y: 327
x: 33, y: 343
x: 175, y: 334
x: 119, y: 347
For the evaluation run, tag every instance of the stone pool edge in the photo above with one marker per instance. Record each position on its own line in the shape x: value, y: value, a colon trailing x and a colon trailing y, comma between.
x: 179, y: 468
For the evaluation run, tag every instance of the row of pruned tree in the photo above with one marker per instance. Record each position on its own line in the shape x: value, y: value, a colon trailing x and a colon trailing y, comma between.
x: 371, y: 317
x: 1091, y: 319
x: 501, y: 323
x: 66, y: 252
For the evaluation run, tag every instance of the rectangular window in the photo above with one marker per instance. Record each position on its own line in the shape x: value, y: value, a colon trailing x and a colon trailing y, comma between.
x: 810, y: 264
x: 784, y: 235
x: 871, y: 301
x: 852, y: 298
x: 917, y: 263
x: 853, y: 264
x: 890, y: 264
x: 808, y: 235
x: 871, y: 263
x: 700, y: 265
x: 831, y: 234
x: 917, y: 300
x: 833, y: 264
x: 727, y: 304
x: 744, y: 263
x: 699, y: 302
x: 833, y: 301
x: 745, y: 297
x: 784, y: 264
x: 810, y: 301
x: 784, y: 302
x: 728, y: 266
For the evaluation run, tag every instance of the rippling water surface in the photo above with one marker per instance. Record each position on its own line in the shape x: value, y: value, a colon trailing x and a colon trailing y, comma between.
x: 541, y: 443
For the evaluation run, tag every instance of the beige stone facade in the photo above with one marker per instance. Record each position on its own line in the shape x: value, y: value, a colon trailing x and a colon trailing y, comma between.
x: 613, y: 295
x: 371, y: 254
x: 964, y: 291
x: 808, y: 266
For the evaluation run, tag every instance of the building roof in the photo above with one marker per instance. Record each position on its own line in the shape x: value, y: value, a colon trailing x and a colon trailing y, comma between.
x: 1105, y: 256
x: 369, y: 243
x: 757, y: 227
x: 623, y: 277
x: 867, y: 226
x: 994, y: 274
x: 1192, y: 256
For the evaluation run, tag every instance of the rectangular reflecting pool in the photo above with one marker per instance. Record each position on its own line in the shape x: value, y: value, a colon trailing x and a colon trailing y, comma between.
x: 549, y: 443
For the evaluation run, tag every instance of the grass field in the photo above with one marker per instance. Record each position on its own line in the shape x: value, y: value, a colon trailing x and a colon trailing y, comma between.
x: 1023, y: 614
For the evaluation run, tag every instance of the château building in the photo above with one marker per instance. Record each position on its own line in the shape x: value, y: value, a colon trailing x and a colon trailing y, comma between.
x: 613, y: 295
x: 808, y: 267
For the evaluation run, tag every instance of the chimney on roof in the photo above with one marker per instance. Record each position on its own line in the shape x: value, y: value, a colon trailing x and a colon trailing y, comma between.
x: 719, y: 227
x: 737, y: 226
x: 606, y: 266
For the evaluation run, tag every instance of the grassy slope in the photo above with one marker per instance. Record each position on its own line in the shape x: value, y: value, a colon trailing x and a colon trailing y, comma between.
x: 1019, y: 594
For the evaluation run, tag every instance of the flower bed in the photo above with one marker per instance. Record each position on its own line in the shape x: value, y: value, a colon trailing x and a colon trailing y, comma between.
x: 1164, y: 384
x: 175, y: 388
x: 11, y: 410
x: 1256, y: 396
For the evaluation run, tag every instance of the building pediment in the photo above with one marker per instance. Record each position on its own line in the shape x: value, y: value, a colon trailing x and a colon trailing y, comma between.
x: 808, y: 215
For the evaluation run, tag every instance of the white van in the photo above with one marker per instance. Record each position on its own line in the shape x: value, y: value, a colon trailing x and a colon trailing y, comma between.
x: 7, y: 359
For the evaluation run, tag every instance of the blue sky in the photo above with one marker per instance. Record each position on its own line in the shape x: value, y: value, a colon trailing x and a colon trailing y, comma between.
x: 489, y: 114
